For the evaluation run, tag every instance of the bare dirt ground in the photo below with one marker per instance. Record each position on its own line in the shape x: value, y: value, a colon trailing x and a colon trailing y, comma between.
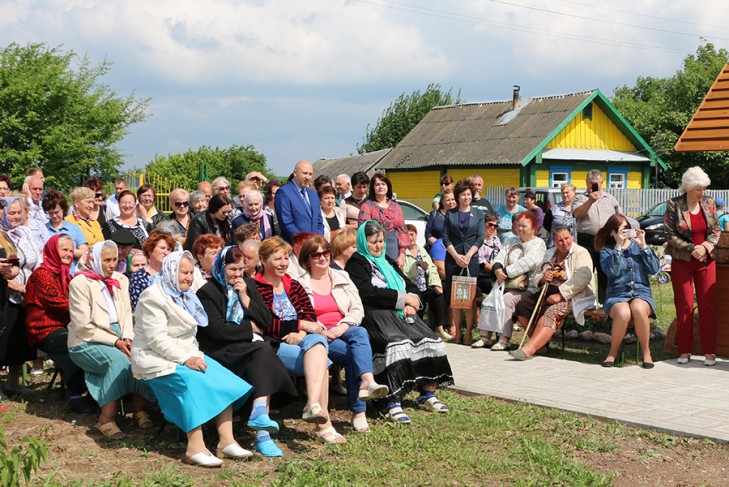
x: 78, y: 455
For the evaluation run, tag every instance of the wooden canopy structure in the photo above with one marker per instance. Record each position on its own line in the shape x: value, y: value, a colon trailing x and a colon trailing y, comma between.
x: 708, y: 130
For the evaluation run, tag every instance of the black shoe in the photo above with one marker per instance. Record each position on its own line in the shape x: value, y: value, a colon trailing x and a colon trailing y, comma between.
x: 79, y: 403
x: 648, y: 365
x: 610, y: 363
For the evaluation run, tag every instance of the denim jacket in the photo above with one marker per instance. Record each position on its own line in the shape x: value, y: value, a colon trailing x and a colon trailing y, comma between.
x: 627, y: 270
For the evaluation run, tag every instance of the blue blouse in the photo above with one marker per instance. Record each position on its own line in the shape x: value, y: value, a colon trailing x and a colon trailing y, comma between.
x: 627, y: 273
x: 435, y: 225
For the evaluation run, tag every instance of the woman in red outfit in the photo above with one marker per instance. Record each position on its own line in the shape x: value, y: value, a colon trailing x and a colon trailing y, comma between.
x: 692, y: 232
x: 47, y: 315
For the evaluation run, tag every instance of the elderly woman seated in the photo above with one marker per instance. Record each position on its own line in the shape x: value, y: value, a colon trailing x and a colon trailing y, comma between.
x: 515, y: 267
x: 407, y: 355
x: 191, y: 388
x: 46, y: 303
x: 567, y: 273
x: 339, y: 311
x: 100, y: 337
x: 232, y: 304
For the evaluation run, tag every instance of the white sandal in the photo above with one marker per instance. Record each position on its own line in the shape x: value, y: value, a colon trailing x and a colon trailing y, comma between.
x: 500, y: 346
x: 329, y: 436
x: 315, y: 414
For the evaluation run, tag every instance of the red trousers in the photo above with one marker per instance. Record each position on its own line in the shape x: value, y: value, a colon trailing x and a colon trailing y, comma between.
x: 686, y: 276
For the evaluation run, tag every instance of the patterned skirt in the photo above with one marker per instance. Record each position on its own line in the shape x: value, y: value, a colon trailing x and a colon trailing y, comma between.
x: 405, y: 356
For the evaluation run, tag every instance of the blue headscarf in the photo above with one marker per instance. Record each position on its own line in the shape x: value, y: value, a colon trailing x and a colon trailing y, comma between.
x: 169, y: 280
x: 234, y: 310
x: 392, y: 278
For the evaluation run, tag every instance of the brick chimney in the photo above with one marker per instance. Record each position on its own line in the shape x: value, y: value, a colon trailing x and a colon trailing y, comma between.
x: 515, y: 99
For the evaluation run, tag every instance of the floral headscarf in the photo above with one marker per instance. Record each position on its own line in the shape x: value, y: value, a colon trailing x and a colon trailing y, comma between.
x: 234, y: 311
x: 5, y: 221
x: 90, y: 265
x: 261, y: 218
x: 170, y: 282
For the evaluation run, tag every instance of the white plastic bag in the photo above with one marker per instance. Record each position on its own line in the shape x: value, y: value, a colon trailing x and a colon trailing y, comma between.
x: 493, y: 311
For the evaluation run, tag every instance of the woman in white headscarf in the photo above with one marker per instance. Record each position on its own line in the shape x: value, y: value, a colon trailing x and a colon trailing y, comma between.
x: 253, y: 213
x: 100, y: 337
x: 191, y: 388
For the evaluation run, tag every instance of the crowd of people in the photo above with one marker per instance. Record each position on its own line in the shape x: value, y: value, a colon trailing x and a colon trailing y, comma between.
x: 212, y: 310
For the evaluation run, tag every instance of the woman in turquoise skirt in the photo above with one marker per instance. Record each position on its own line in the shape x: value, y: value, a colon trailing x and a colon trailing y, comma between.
x: 100, y: 337
x: 191, y: 388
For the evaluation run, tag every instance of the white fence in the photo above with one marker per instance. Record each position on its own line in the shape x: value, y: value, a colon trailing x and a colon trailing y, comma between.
x: 634, y: 202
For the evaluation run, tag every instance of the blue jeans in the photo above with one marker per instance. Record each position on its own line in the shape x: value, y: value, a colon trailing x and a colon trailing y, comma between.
x: 292, y: 356
x: 353, y: 352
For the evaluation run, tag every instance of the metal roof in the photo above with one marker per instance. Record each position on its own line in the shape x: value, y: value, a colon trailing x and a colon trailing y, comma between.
x: 708, y: 130
x: 350, y: 164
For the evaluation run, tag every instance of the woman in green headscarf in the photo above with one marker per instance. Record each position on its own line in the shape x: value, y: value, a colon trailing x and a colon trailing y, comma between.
x: 406, y: 354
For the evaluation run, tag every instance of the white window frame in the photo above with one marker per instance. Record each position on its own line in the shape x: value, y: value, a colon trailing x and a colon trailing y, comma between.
x: 559, y: 183
x: 617, y: 180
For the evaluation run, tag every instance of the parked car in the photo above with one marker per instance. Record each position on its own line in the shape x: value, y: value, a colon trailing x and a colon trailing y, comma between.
x: 416, y: 216
x: 546, y: 197
x: 652, y: 222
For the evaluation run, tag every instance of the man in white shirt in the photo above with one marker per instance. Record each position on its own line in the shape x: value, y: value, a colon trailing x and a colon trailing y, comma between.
x: 112, y: 202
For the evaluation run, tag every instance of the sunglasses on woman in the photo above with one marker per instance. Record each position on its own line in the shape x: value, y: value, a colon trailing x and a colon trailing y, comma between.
x: 319, y: 255
x: 182, y: 204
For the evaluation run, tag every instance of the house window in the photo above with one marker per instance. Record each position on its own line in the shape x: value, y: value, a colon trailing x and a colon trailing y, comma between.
x: 617, y: 178
x: 559, y: 176
x: 587, y: 112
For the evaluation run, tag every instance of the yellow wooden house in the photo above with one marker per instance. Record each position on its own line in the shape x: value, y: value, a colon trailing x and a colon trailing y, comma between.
x: 531, y: 142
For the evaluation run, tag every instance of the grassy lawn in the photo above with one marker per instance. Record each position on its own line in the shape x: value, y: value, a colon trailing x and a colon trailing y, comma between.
x: 481, y: 442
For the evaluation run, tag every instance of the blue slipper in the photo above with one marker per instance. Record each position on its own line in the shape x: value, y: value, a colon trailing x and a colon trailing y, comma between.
x: 263, y: 423
x: 397, y: 415
x: 267, y: 448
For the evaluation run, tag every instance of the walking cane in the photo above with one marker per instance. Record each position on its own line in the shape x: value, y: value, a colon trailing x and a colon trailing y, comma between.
x: 549, y: 266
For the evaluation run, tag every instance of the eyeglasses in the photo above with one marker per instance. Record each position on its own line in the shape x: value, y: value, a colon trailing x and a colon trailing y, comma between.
x: 182, y: 204
x: 492, y: 225
x: 319, y: 255
x: 99, y: 195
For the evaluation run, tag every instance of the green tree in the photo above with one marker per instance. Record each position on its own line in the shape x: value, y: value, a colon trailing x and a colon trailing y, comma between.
x: 233, y: 163
x: 661, y: 108
x: 58, y: 114
x: 402, y: 115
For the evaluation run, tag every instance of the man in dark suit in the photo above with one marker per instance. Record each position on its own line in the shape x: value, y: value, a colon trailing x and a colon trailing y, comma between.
x: 297, y: 205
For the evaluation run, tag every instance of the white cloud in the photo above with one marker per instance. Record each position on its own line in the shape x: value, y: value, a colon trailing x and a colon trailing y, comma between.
x: 190, y: 42
x: 302, y: 79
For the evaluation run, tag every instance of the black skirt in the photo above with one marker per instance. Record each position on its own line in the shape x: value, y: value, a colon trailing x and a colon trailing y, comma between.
x: 405, y: 356
x: 257, y: 364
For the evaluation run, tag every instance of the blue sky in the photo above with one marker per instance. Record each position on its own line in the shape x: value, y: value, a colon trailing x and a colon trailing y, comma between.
x: 302, y: 79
